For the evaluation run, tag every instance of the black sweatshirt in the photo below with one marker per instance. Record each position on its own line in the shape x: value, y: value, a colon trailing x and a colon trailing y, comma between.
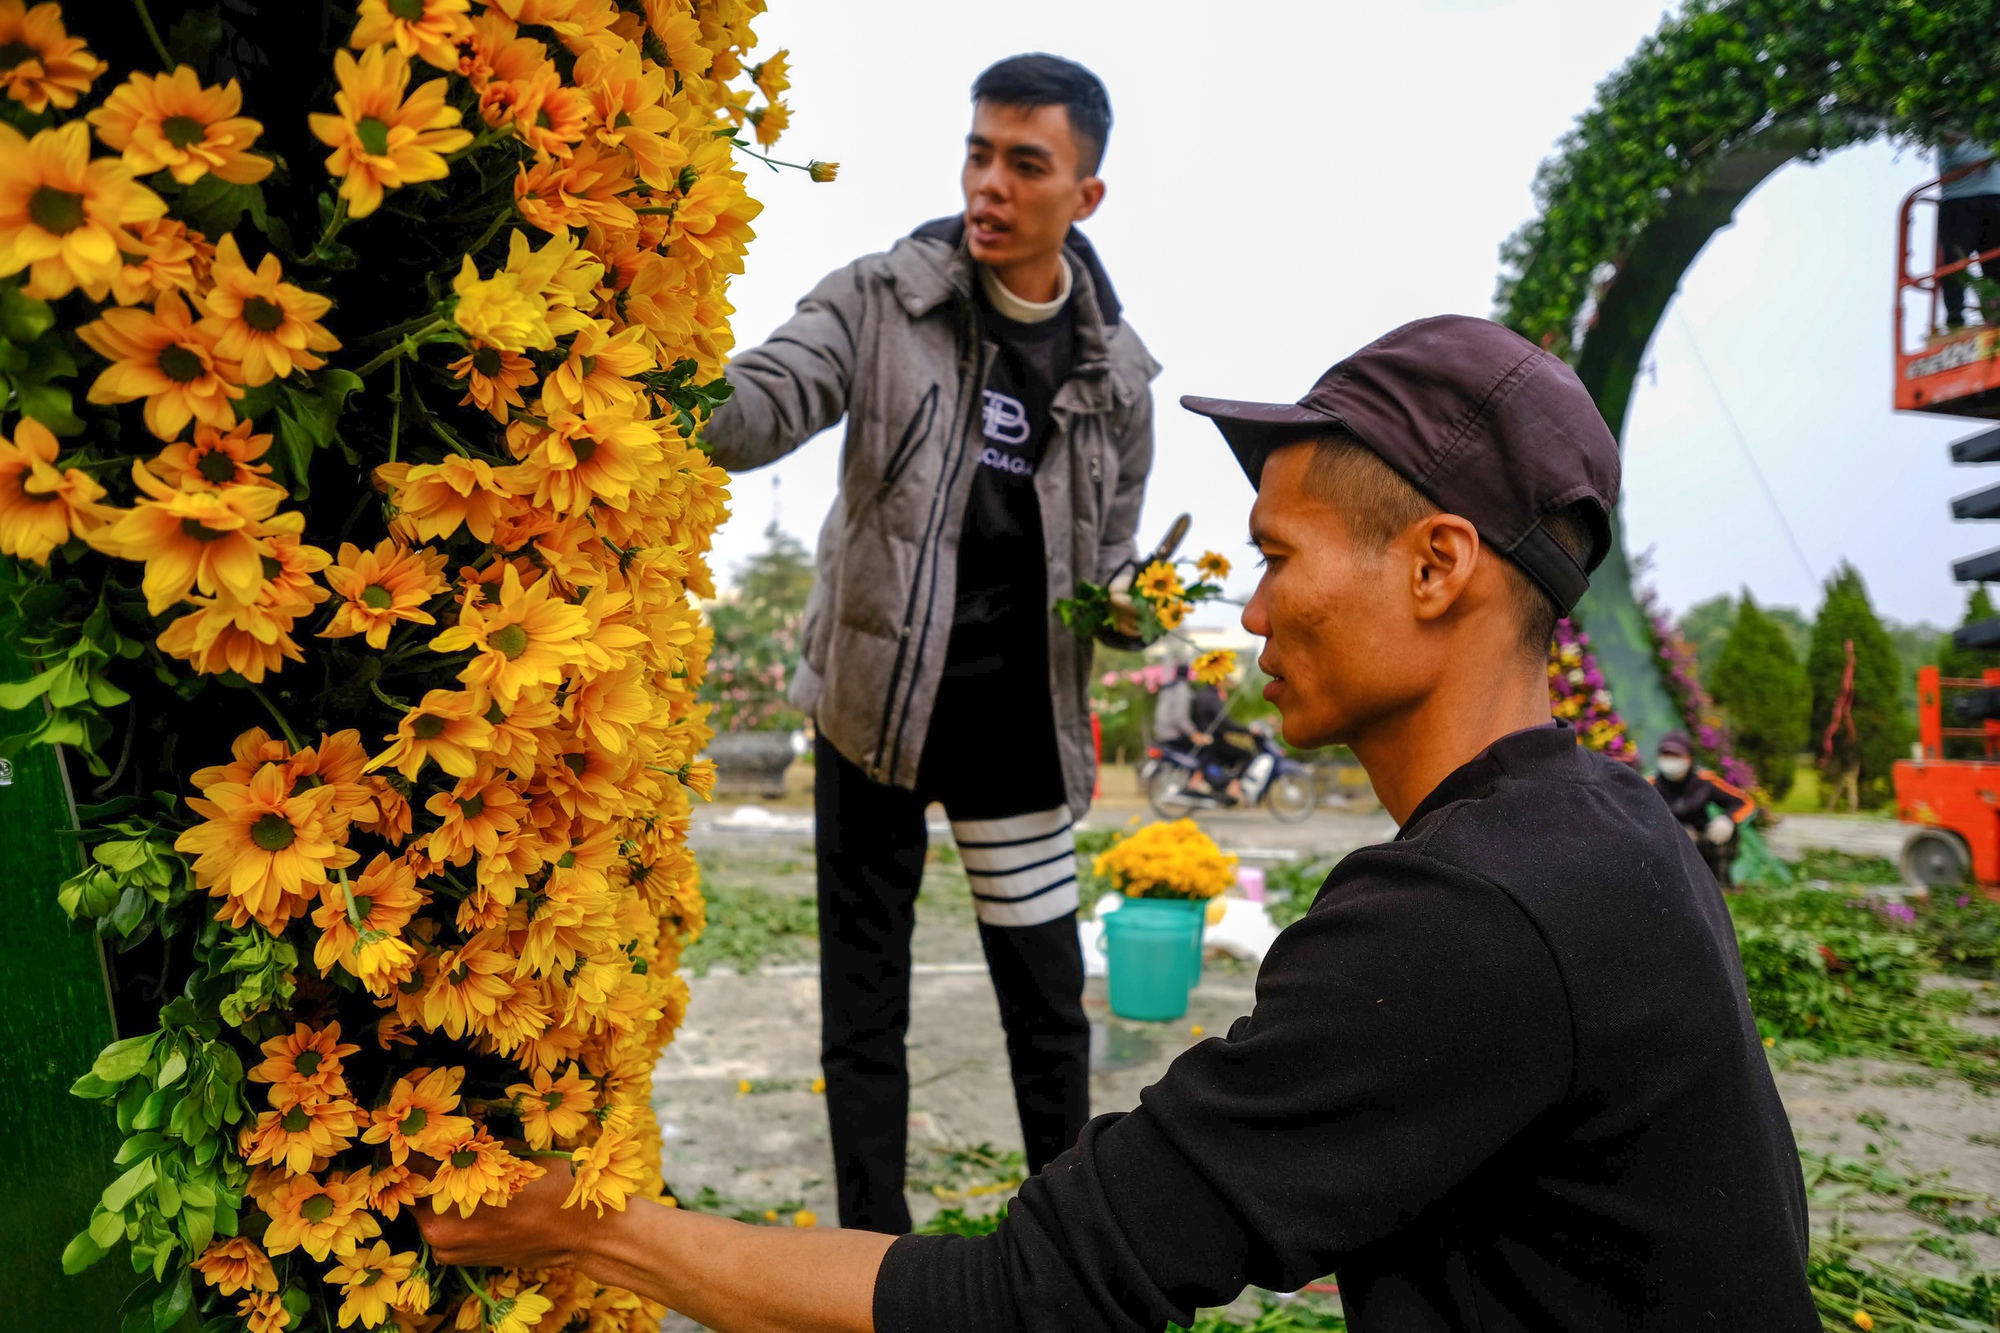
x: 999, y: 628
x: 1501, y: 1076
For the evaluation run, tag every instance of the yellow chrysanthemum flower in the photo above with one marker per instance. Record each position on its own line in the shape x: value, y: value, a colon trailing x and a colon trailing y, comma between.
x: 169, y: 122
x: 427, y: 29
x: 168, y: 358
x: 1213, y: 565
x: 42, y: 506
x: 62, y: 215
x: 1212, y: 668
x: 261, y: 323
x: 1158, y: 582
x: 43, y: 63
x: 380, y: 141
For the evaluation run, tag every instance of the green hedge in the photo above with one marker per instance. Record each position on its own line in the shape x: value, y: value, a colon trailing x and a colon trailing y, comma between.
x: 1715, y: 78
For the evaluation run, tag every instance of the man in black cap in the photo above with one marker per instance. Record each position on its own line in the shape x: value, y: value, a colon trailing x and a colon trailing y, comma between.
x: 1501, y: 1075
x: 1710, y: 809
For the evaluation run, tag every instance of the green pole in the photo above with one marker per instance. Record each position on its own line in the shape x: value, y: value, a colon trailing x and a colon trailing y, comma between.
x: 55, y: 1015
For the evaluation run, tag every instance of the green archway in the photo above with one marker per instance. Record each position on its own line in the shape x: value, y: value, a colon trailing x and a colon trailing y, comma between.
x: 1723, y: 95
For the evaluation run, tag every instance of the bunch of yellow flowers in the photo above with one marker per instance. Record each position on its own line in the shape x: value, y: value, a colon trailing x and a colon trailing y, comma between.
x: 455, y: 924
x: 1167, y: 860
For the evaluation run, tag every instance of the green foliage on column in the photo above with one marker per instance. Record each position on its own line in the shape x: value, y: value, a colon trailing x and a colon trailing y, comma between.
x: 1724, y: 94
x: 1882, y: 729
x: 1762, y: 685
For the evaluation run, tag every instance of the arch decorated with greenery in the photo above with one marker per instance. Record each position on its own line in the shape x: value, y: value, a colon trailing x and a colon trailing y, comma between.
x: 1721, y: 97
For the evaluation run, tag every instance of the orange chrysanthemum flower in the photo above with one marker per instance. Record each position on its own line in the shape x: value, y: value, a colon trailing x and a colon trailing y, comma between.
x: 434, y: 500
x: 40, y: 62
x: 61, y: 214
x: 607, y: 1173
x: 321, y: 1217
x: 265, y: 852
x: 477, y: 1170
x: 305, y: 1063
x: 264, y: 1312
x: 427, y: 29
x: 449, y: 727
x: 300, y: 1136
x: 267, y: 326
x: 166, y: 357
x: 554, y: 1109
x: 597, y: 374
x: 380, y: 141
x: 476, y: 813
x: 383, y: 588
x: 169, y: 122
x: 493, y: 379
x: 470, y: 985
x: 524, y: 641
x: 236, y: 1263
x: 369, y: 1280
x: 520, y: 732
x: 418, y: 1117
x: 193, y: 539
x: 215, y: 459
x: 390, y: 1187
x: 221, y: 635
x: 385, y: 897
x: 157, y: 256
x: 41, y: 507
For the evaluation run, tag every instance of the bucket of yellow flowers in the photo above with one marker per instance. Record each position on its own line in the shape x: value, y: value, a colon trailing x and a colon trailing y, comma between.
x: 1152, y: 943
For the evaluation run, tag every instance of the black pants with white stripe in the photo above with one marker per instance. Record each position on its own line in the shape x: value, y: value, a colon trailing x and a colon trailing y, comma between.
x: 1004, y: 794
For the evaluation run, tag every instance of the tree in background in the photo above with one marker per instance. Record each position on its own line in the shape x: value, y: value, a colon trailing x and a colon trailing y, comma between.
x: 758, y: 624
x: 1858, y: 770
x: 1707, y: 625
x: 1758, y: 679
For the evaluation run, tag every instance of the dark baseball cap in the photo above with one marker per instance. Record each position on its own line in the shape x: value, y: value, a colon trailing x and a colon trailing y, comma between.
x: 1482, y: 421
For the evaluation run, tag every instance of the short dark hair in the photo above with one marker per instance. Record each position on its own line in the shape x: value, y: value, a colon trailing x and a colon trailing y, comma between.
x: 1039, y: 79
x: 1377, y: 502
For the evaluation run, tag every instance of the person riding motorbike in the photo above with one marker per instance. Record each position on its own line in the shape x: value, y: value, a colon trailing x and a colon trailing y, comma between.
x: 1709, y: 808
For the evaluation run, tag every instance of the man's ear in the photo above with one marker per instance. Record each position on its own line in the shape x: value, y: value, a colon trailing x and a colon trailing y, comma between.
x: 1445, y: 551
x: 1093, y: 195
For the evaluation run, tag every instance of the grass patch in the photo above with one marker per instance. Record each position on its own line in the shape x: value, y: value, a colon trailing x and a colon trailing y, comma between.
x: 749, y: 927
x: 1839, y: 974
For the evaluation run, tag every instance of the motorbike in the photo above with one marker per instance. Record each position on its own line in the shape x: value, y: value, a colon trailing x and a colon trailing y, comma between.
x: 1272, y: 779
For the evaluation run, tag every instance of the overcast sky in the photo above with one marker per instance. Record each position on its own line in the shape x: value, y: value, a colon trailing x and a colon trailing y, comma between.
x: 1290, y: 179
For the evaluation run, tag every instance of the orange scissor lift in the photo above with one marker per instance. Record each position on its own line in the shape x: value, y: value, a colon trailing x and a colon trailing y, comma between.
x: 1942, y: 367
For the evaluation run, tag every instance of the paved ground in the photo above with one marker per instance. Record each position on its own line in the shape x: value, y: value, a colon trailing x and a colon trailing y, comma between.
x: 734, y: 1091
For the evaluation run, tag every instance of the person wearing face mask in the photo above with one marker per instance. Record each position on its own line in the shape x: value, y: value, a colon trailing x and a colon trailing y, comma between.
x: 1710, y: 809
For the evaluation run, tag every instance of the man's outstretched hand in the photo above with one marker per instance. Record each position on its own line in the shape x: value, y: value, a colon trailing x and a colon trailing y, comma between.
x: 534, y: 1230
x: 714, y: 1270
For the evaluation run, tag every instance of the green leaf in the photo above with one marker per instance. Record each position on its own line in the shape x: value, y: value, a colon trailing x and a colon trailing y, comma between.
x: 169, y: 1196
x: 51, y: 405
x: 194, y: 37
x: 93, y: 1087
x: 124, y: 1189
x: 20, y: 693
x: 107, y: 1228
x: 124, y: 855
x: 122, y: 1059
x: 197, y: 1224
x: 171, y: 1069
x: 81, y: 1252
x: 22, y: 318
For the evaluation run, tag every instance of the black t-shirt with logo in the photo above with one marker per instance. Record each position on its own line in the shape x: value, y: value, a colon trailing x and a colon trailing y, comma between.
x: 1000, y: 623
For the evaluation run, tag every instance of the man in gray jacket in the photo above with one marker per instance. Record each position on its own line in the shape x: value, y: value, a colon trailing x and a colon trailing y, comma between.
x: 999, y: 432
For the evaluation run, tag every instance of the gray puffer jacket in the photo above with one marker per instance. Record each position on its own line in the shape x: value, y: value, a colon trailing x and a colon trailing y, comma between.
x: 892, y: 343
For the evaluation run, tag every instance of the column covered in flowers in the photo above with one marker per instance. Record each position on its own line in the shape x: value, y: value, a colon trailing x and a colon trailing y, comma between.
x: 1579, y: 696
x: 352, y: 509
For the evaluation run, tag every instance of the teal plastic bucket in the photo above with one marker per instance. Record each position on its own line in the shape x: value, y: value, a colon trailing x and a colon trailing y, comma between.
x: 1152, y: 948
